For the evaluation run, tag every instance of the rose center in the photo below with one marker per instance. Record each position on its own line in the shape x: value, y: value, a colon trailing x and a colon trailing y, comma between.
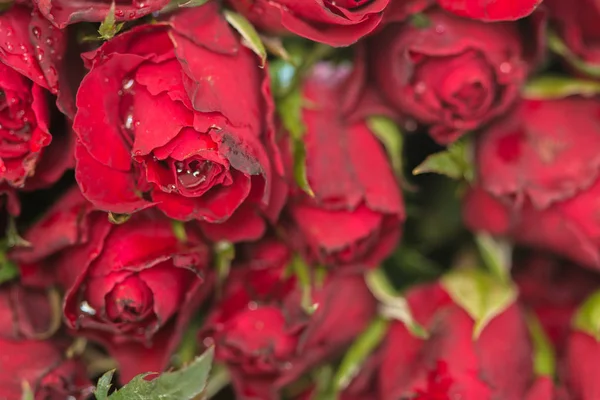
x: 349, y: 4
x: 14, y: 117
x: 193, y: 173
x: 129, y: 301
x: 472, y: 95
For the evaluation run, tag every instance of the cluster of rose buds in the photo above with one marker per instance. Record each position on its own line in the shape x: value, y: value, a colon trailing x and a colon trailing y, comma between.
x: 230, y: 176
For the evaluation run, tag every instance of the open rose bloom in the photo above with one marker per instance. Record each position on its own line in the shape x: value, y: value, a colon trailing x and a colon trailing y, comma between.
x: 300, y: 199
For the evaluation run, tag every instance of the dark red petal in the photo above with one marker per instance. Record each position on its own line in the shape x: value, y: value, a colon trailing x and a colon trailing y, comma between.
x: 108, y: 189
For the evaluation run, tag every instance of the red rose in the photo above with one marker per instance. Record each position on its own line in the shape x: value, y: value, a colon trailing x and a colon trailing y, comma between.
x: 491, y: 10
x: 576, y: 23
x: 334, y: 22
x: 553, y: 290
x: 356, y: 213
x: 538, y: 178
x: 451, y: 363
x: 173, y: 125
x: 264, y: 335
x: 132, y: 287
x: 24, y: 315
x: 454, y: 74
x: 27, y: 74
x: 64, y: 12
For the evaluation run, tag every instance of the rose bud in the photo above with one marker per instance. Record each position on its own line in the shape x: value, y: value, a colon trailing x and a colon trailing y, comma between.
x: 165, y: 126
x: 356, y: 213
x: 131, y: 287
x: 491, y: 11
x: 333, y: 22
x: 553, y: 290
x: 24, y: 319
x: 583, y: 351
x: 575, y: 23
x: 454, y: 74
x: 538, y: 178
x: 30, y: 156
x: 65, y: 12
x: 453, y: 362
x: 265, y: 332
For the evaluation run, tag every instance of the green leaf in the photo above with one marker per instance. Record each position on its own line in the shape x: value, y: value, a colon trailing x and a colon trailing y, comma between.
x: 249, y: 34
x: 27, y: 392
x: 358, y: 353
x: 118, y: 219
x: 108, y: 29
x: 184, y: 384
x: 557, y: 87
x: 390, y: 135
x: 13, y: 239
x: 480, y: 294
x: 8, y: 270
x: 104, y: 384
x: 556, y: 44
x: 218, y: 380
x: 194, y: 3
x: 290, y: 111
x: 224, y: 255
x: 544, y: 358
x: 496, y: 254
x: 178, y: 228
x: 587, y: 317
x: 393, y: 305
x: 455, y: 162
x: 420, y: 20
x: 302, y: 272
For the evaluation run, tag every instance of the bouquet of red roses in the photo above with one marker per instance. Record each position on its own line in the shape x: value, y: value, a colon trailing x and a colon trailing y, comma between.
x: 300, y: 199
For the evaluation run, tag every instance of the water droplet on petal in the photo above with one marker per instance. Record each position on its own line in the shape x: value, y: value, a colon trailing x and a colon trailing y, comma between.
x: 36, y: 32
x: 127, y: 84
x: 252, y: 305
x: 86, y: 308
x: 505, y: 67
x: 129, y: 121
x: 420, y: 87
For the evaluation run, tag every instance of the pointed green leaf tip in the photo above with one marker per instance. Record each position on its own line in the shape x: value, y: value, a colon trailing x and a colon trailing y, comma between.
x: 249, y: 34
x: 27, y: 392
x: 454, y: 162
x: 558, y: 87
x: 544, y: 359
x: 496, y: 255
x: 480, y: 294
x: 358, y: 353
x: 393, y: 305
x: 390, y: 135
x: 587, y: 318
x: 108, y: 29
x: 184, y: 384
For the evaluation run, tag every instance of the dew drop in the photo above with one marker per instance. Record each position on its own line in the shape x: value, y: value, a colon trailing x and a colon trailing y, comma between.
x: 208, y: 341
x: 252, y: 305
x: 505, y: 67
x: 85, y: 308
x: 420, y: 87
x: 129, y: 121
x: 440, y: 29
x: 9, y: 46
x: 127, y: 84
x: 50, y: 42
x: 37, y: 32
